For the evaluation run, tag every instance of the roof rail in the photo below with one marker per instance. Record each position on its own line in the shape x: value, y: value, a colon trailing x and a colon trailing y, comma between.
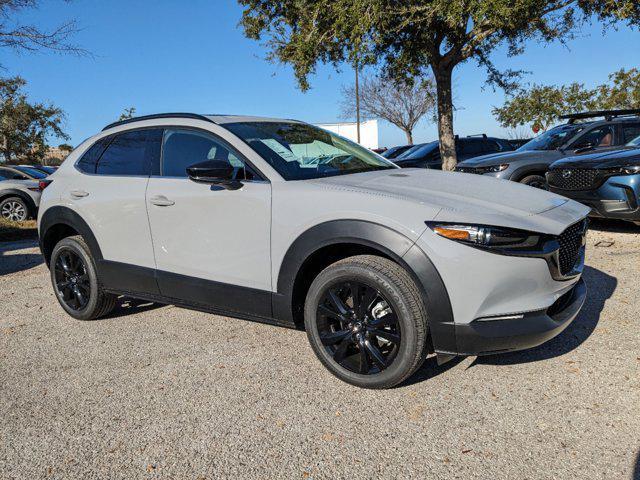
x: 607, y: 114
x: 193, y: 116
x: 483, y: 135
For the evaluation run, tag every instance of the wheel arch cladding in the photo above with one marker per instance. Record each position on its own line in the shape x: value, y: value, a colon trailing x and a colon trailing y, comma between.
x: 358, y: 237
x: 60, y: 222
x: 11, y: 192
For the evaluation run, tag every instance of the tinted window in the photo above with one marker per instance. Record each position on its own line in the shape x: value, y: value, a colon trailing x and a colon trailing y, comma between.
x: 630, y: 132
x: 471, y: 147
x: 89, y: 160
x: 129, y: 153
x: 597, y: 137
x: 32, y: 172
x: 552, y: 139
x: 491, y: 146
x: 5, y: 174
x: 183, y: 148
x: 419, y: 151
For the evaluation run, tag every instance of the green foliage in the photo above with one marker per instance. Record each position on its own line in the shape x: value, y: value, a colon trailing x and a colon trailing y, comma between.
x: 26, y: 127
x: 410, y: 37
x: 127, y: 113
x: 65, y: 147
x: 541, y: 106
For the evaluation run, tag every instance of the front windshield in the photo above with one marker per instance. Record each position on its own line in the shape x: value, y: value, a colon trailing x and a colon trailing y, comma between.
x: 634, y: 143
x: 32, y: 172
x: 298, y: 151
x: 419, y: 151
x: 552, y: 139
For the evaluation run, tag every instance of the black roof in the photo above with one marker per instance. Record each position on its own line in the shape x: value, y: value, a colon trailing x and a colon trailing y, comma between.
x: 607, y: 114
x: 194, y: 116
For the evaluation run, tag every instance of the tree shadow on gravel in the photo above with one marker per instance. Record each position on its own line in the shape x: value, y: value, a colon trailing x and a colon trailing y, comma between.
x: 636, y: 470
x: 17, y: 262
x: 600, y: 287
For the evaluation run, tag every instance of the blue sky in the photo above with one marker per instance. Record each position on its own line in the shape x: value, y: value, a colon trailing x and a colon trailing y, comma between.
x: 170, y: 55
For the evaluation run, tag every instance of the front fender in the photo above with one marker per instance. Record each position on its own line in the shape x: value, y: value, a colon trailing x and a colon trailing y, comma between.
x: 390, y: 243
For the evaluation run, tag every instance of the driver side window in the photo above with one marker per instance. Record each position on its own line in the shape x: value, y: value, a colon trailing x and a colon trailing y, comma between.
x: 182, y: 148
x: 597, y: 137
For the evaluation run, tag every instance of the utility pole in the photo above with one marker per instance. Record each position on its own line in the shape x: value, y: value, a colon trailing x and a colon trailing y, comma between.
x: 357, y: 106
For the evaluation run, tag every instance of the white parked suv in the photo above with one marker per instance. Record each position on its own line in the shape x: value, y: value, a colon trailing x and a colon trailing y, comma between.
x: 282, y: 222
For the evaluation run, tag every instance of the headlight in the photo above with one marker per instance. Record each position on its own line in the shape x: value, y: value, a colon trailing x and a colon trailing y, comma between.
x: 490, y: 238
x: 631, y: 170
x: 494, y: 168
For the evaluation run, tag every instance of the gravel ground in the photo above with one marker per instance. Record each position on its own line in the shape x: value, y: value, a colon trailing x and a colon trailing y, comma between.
x: 159, y: 391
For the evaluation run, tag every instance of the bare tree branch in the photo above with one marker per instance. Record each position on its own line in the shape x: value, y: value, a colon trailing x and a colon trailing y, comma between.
x: 401, y: 103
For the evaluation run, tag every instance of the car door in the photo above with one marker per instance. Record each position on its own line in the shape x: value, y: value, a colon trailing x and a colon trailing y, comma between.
x: 212, y: 245
x: 110, y: 197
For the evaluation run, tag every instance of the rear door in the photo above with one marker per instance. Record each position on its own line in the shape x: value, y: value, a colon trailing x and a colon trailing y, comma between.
x: 110, y: 196
x: 212, y: 246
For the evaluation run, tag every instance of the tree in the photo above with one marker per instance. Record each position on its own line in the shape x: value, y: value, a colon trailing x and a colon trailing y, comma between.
x: 402, y: 103
x: 26, y: 127
x: 65, y: 147
x: 412, y: 37
x: 541, y: 106
x: 127, y: 113
x: 22, y: 37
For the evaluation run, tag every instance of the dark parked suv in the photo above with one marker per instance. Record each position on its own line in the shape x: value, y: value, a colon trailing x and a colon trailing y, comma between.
x: 607, y: 182
x: 427, y: 155
x: 529, y: 163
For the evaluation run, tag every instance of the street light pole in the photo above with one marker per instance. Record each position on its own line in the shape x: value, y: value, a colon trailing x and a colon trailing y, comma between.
x: 357, y: 106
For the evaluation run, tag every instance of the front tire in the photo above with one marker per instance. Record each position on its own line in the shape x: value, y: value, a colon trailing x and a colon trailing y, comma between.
x: 366, y: 321
x: 535, y: 181
x: 75, y: 281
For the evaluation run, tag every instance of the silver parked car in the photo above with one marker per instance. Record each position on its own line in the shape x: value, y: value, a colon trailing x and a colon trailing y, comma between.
x: 279, y: 221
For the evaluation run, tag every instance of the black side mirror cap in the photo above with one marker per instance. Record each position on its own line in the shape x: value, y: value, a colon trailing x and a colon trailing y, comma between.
x: 214, y: 172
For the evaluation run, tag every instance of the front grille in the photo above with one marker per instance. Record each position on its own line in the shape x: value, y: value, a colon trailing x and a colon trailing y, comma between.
x: 574, y: 178
x: 571, y: 241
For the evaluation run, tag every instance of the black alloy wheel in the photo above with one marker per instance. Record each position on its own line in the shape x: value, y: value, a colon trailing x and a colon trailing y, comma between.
x: 358, y: 327
x: 536, y: 181
x: 72, y: 280
x: 366, y: 321
x: 75, y: 280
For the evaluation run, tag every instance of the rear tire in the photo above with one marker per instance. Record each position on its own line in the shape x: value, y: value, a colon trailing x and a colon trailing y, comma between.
x: 14, y: 209
x: 75, y: 281
x: 376, y: 341
x: 535, y: 181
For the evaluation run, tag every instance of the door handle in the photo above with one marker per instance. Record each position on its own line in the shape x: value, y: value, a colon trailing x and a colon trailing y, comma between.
x: 79, y: 193
x: 161, y: 201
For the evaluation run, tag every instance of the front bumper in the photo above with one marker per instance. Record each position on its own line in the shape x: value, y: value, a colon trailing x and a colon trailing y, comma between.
x: 518, y: 332
x: 617, y: 198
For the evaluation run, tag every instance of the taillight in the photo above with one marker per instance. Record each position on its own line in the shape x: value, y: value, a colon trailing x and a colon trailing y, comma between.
x: 42, y: 184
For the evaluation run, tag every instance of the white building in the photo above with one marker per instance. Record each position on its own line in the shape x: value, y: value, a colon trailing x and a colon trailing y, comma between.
x: 368, y: 131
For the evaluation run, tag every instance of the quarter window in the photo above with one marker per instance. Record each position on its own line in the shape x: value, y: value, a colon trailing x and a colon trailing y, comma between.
x: 182, y: 148
x: 129, y: 153
x: 89, y: 160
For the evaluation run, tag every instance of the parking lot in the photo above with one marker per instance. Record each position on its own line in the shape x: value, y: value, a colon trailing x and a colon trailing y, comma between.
x: 159, y: 391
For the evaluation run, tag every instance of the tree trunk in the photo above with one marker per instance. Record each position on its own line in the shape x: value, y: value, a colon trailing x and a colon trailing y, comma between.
x: 409, y: 136
x: 443, y: 77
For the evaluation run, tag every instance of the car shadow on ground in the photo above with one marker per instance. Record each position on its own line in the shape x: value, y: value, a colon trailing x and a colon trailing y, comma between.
x: 636, y: 470
x: 129, y: 306
x: 16, y: 262
x: 600, y: 287
x: 613, y: 226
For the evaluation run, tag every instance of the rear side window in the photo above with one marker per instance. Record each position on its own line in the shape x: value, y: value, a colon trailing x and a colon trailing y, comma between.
x: 89, y: 160
x: 129, y: 154
x: 471, y: 147
x: 629, y: 132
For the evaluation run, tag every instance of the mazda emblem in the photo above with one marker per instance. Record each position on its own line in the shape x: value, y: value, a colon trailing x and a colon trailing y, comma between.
x: 566, y: 174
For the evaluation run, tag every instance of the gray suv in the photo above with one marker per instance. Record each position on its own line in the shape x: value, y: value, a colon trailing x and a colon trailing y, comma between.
x: 529, y: 163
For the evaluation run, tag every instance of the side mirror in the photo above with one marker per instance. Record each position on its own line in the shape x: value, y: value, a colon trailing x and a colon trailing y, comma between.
x: 214, y: 172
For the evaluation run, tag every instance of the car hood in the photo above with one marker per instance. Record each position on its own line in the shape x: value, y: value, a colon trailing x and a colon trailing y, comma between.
x: 460, y: 197
x: 508, y: 157
x: 623, y: 157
